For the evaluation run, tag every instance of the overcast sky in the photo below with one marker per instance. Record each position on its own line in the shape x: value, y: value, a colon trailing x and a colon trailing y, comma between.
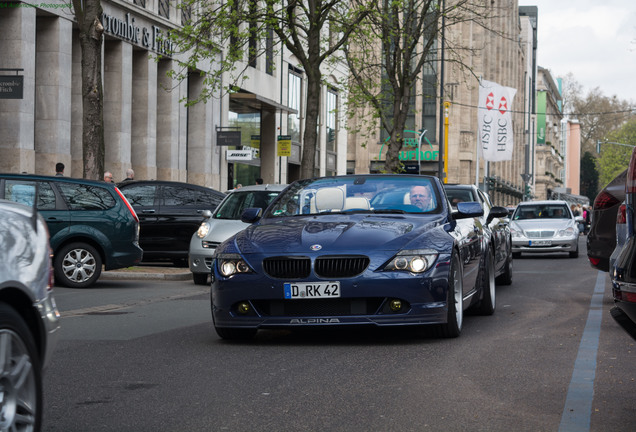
x: 593, y: 39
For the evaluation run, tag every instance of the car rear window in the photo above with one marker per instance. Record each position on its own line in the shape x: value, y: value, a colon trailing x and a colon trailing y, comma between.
x: 86, y: 197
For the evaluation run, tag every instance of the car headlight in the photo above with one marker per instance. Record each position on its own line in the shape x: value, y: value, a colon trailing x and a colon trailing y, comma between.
x: 414, y: 261
x: 203, y: 230
x: 229, y: 265
x: 568, y: 232
x: 516, y: 232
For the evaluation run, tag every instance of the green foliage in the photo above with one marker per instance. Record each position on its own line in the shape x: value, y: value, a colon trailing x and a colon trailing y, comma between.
x: 589, y: 176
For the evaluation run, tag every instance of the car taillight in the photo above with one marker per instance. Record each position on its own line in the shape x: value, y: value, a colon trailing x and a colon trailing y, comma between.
x: 624, y: 295
x: 132, y: 210
x: 605, y: 200
x: 594, y: 261
x: 620, y: 215
x: 631, y: 174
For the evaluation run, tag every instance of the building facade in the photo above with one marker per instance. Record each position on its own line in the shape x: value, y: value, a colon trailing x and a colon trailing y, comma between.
x: 148, y: 126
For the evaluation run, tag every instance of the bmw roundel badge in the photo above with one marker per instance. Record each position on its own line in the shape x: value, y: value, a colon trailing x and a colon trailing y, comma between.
x: 316, y: 247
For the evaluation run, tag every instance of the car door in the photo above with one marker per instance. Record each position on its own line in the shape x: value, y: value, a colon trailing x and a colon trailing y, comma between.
x: 144, y: 198
x: 179, y: 217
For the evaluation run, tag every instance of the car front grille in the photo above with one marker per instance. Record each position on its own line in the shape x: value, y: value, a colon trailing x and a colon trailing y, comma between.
x: 340, y: 266
x: 324, y: 267
x: 539, y: 234
x: 287, y: 267
x: 319, y: 307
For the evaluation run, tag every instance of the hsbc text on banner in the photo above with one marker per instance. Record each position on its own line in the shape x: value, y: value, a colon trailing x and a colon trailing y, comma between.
x: 495, y: 121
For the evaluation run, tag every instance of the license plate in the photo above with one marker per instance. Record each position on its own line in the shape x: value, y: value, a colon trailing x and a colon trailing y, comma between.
x: 310, y: 290
x: 540, y: 242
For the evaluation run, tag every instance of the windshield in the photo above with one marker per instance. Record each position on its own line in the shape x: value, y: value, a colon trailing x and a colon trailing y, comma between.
x: 542, y: 211
x: 370, y: 193
x: 236, y: 202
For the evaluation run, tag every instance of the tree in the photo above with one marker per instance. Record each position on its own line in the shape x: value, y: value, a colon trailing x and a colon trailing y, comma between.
x: 91, y: 33
x: 386, y: 56
x: 589, y: 176
x: 312, y: 31
x: 616, y: 151
x: 598, y: 114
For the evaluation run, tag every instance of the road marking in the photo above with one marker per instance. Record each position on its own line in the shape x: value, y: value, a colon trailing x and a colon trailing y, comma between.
x: 578, y: 402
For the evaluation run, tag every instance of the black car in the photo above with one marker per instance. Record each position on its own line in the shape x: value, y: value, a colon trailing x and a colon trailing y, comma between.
x: 169, y: 213
x: 601, y: 239
x: 623, y: 272
x: 497, y: 223
x: 90, y: 223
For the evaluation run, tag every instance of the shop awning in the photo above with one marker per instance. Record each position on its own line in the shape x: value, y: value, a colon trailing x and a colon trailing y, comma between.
x: 244, y: 103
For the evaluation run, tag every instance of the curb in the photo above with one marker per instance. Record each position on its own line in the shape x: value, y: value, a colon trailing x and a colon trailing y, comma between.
x: 115, y: 275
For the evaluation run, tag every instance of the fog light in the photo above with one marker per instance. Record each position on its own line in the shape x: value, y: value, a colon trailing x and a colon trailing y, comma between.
x: 243, y: 308
x: 395, y: 305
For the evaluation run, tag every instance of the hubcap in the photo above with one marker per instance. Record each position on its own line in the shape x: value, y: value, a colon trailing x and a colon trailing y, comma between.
x: 18, y: 394
x: 79, y: 265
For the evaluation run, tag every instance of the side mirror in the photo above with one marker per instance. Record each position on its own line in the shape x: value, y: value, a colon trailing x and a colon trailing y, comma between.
x: 251, y: 215
x: 206, y: 214
x: 497, y: 212
x: 467, y: 210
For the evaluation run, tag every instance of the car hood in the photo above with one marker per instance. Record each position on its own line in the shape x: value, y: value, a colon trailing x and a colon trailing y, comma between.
x: 343, y: 234
x: 543, y: 224
x: 222, y: 229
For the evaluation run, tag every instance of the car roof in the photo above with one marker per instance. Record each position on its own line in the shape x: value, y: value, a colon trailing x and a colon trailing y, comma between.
x: 260, y: 187
x: 125, y: 184
x: 543, y: 202
x: 55, y: 178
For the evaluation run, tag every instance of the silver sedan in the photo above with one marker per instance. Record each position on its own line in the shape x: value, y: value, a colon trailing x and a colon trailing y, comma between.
x: 223, y: 223
x: 544, y: 227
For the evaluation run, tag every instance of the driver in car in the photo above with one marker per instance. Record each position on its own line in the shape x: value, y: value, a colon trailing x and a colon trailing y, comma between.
x: 421, y: 196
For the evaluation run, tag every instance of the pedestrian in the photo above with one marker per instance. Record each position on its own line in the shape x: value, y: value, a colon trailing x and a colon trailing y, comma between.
x: 59, y: 169
x: 108, y: 177
x: 259, y: 181
x: 130, y: 175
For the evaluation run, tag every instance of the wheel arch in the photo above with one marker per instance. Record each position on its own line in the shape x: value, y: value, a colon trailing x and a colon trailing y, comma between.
x: 23, y: 305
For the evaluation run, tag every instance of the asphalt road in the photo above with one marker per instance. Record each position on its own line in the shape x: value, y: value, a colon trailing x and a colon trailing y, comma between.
x: 143, y: 356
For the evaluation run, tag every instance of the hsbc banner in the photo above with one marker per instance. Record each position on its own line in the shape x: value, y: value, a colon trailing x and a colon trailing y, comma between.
x: 495, y: 121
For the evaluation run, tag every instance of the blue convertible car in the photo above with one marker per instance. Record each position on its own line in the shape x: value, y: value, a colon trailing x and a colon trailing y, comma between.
x: 384, y: 250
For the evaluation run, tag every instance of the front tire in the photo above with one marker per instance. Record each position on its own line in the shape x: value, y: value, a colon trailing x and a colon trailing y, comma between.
x: 20, y: 375
x: 77, y: 265
x: 486, y: 305
x: 455, y: 310
x: 200, y: 278
x: 575, y: 254
x: 506, y: 277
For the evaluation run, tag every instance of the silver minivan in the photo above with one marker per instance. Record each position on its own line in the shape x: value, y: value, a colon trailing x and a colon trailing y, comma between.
x: 29, y: 319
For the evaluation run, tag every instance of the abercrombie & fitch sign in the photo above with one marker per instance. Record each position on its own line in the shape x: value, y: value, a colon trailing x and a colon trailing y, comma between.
x: 154, y: 39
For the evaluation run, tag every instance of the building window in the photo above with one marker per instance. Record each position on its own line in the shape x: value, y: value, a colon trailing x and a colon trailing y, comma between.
x: 164, y: 8
x: 186, y: 14
x: 253, y: 41
x: 332, y: 111
x: 294, y: 98
x: 269, y: 52
x: 141, y: 3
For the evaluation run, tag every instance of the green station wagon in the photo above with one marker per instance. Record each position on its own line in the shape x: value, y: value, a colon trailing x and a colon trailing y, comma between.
x: 91, y: 224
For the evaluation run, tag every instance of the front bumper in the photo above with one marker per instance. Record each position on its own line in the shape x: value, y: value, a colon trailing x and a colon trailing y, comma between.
x: 199, y: 257
x: 540, y: 246
x: 363, y: 301
x: 50, y: 319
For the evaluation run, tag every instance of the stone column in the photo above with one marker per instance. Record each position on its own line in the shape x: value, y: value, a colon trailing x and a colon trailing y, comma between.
x: 17, y: 45
x: 117, y: 107
x: 144, y: 116
x: 77, y: 114
x: 168, y: 117
x: 53, y: 95
x: 268, y: 146
x: 199, y: 150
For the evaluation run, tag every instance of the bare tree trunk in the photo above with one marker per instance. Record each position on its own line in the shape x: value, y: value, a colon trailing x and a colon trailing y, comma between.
x: 91, y: 36
x: 310, y: 134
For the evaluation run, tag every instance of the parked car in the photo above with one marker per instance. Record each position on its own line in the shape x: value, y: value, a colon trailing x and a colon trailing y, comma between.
x: 169, y: 213
x: 623, y: 272
x: 544, y: 227
x: 498, y: 226
x: 374, y: 249
x: 29, y: 319
x: 90, y: 222
x: 607, y: 215
x: 224, y: 222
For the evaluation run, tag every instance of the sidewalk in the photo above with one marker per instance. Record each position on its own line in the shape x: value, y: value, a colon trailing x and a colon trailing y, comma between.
x: 149, y: 272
